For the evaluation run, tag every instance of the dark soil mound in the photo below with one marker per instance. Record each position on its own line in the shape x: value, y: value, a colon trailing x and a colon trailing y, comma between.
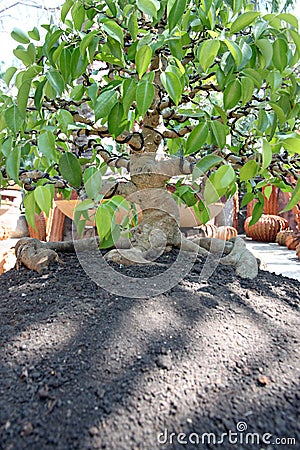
x: 85, y: 369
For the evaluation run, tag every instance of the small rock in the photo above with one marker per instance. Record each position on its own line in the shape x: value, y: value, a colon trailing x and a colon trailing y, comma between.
x: 263, y: 380
x: 164, y: 362
x: 94, y: 431
x: 27, y: 429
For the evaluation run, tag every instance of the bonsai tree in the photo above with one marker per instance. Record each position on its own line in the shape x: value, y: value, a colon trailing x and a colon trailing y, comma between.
x: 125, y: 101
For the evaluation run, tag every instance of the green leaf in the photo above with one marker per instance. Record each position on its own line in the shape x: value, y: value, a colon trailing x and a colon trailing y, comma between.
x: 248, y: 197
x: 256, y: 213
x: 133, y: 26
x: 208, y: 52
x: 144, y: 96
x: 22, y: 97
x: 289, y: 18
x: 196, y: 138
x: 77, y: 92
x: 296, y: 39
x: 249, y: 170
x: 34, y: 34
x: 64, y: 64
x: 266, y: 154
x: 116, y: 120
x: 113, y: 30
x: 38, y: 96
x: 111, y: 6
x: 148, y: 7
x: 218, y: 133
x: 247, y: 86
x: 31, y: 208
x: 78, y: 15
x: 27, y: 57
x: 254, y: 76
x: 43, y: 199
x: 64, y: 119
x: 70, y: 169
x: 12, y: 164
x: 65, y: 9
x: 224, y: 177
x: 103, y: 219
x: 232, y: 94
x: 295, y: 199
x: 9, y: 74
x: 235, y: 51
x: 20, y: 36
x: 142, y: 59
x: 205, y: 164
x: 13, y: 118
x: 56, y: 81
x: 266, y: 49
x: 46, y: 145
x: 292, y: 145
x: 176, y: 13
x: 104, y: 103
x: 92, y: 182
x: 280, y: 54
x: 172, y: 85
x: 243, y: 21
x: 279, y: 112
x: 129, y: 94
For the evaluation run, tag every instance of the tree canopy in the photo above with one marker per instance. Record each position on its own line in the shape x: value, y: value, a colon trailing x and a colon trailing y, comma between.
x: 212, y: 83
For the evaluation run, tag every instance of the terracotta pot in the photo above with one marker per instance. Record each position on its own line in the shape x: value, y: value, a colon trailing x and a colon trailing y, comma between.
x: 208, y: 230
x: 270, y: 205
x: 282, y: 235
x: 39, y: 232
x: 55, y: 225
x: 266, y: 228
x: 226, y: 233
x: 292, y: 242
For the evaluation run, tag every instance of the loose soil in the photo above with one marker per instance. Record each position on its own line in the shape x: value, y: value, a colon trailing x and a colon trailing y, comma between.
x: 85, y: 369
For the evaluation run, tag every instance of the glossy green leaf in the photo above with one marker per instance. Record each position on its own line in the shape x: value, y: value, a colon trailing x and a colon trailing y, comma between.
x: 22, y: 97
x: 20, y: 36
x: 116, y: 120
x: 77, y: 92
x: 279, y: 113
x: 70, y: 169
x: 218, y: 133
x: 148, y: 7
x: 129, y: 94
x: 13, y: 118
x: 235, y: 51
x: 103, y: 219
x: 249, y: 170
x: 176, y: 13
x: 172, y: 85
x: 144, y: 96
x: 243, y: 21
x: 31, y: 208
x: 56, y: 81
x: 64, y: 119
x: 104, y: 103
x: 266, y: 49
x: 266, y: 154
x: 256, y: 213
x: 295, y: 199
x: 78, y: 15
x: 46, y: 145
x: 280, y: 54
x: 65, y: 9
x: 12, y: 164
x: 92, y: 182
x: 9, y: 73
x: 248, y: 197
x: 196, y: 138
x: 292, y: 145
x: 142, y: 59
x: 247, y: 92
x: 43, y: 198
x: 289, y: 18
x: 113, y: 30
x: 206, y: 163
x: 208, y: 52
x: 232, y: 94
x: 133, y: 26
x: 34, y: 34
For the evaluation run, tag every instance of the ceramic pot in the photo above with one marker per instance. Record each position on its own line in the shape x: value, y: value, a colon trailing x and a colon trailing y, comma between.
x: 266, y: 228
x: 282, y: 235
